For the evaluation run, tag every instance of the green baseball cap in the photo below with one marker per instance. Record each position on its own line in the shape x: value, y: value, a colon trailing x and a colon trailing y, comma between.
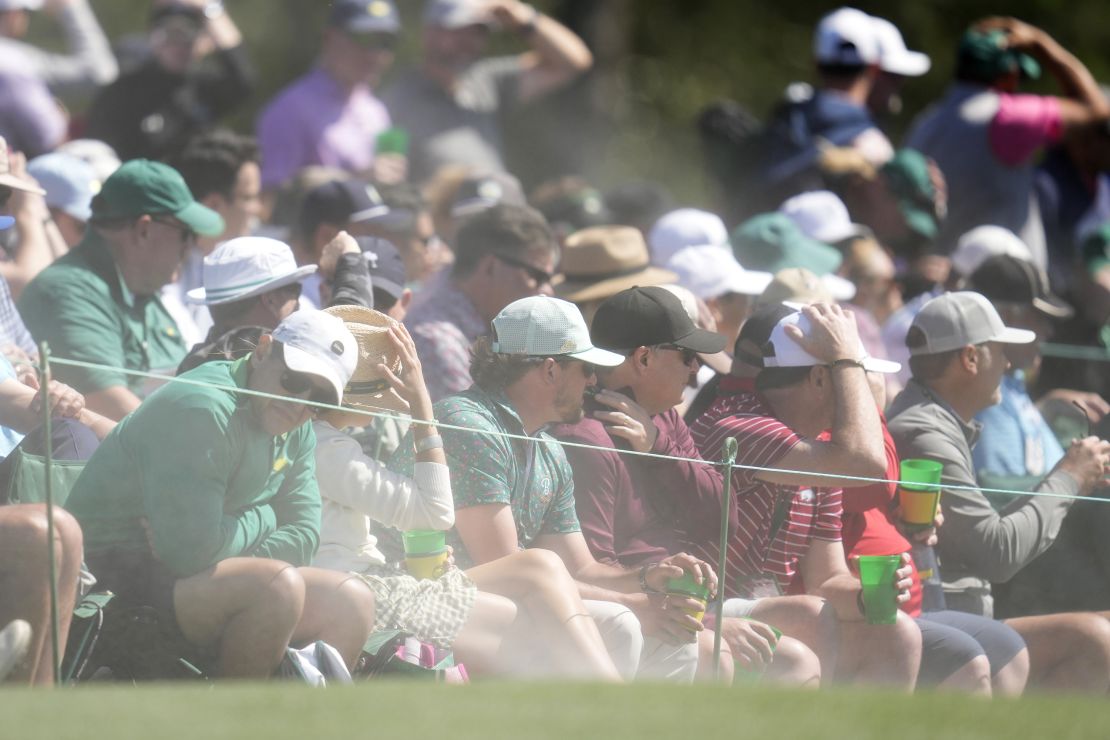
x: 907, y: 177
x: 141, y: 187
x: 772, y: 241
x: 985, y: 56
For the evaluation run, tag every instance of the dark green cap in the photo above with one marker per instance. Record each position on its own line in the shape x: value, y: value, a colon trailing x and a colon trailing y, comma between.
x: 144, y: 188
x: 773, y: 242
x: 907, y: 178
x: 984, y: 56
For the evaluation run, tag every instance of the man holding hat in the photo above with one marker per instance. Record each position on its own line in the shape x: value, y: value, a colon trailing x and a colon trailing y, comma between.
x: 987, y: 138
x: 99, y: 302
x: 451, y: 104
x: 203, y: 504
x: 958, y: 356
x: 330, y: 116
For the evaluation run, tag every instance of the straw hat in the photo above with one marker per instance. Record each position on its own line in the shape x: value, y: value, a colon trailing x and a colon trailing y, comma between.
x: 368, y: 388
x: 601, y: 261
x: 7, y: 179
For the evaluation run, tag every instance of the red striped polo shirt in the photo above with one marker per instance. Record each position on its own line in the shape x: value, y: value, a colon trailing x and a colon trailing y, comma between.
x: 813, y: 513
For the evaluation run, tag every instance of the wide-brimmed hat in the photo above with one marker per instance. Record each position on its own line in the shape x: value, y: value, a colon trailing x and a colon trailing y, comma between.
x: 604, y: 260
x: 7, y: 179
x: 368, y: 388
x: 245, y: 267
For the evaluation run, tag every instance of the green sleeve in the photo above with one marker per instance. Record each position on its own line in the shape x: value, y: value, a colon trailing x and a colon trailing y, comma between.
x: 296, y: 507
x: 186, y: 463
x: 77, y: 328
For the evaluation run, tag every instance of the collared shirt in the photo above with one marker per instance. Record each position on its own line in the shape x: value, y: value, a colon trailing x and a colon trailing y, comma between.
x: 531, y: 476
x: 12, y: 328
x: 443, y: 326
x: 316, y: 121
x: 193, y: 462
x: 1016, y: 440
x: 82, y: 307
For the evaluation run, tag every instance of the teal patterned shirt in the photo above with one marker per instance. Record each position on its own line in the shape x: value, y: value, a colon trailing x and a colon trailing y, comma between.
x: 532, y: 476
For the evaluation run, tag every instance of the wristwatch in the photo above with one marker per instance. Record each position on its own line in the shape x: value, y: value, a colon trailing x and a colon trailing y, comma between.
x: 431, y: 442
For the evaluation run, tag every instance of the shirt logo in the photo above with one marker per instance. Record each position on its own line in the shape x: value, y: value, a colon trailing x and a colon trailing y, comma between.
x: 807, y: 495
x: 337, y: 347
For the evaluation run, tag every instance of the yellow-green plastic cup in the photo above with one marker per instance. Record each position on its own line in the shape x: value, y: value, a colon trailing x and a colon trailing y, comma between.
x: 685, y: 586
x: 880, y: 598
x: 425, y: 552
x: 919, y: 502
x: 740, y: 674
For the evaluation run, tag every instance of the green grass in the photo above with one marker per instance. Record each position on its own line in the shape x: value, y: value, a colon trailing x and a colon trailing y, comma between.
x: 531, y: 711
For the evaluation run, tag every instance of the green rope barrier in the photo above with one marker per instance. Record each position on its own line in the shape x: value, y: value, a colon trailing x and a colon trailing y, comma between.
x: 727, y: 461
x: 388, y: 413
x: 1075, y: 352
x: 44, y: 389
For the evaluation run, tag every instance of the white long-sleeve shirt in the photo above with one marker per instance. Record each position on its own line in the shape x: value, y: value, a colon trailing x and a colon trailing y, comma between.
x: 356, y: 489
x: 88, y: 65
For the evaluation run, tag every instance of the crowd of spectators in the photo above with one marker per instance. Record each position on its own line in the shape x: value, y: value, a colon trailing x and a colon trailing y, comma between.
x: 279, y: 354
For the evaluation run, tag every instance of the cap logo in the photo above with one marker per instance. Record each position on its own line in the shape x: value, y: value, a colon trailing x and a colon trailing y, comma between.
x: 568, y: 345
x: 337, y: 347
x: 490, y: 190
x: 378, y: 9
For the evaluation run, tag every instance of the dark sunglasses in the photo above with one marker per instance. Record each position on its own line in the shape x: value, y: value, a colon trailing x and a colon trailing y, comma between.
x: 188, y: 236
x: 541, y: 277
x: 296, y: 384
x: 688, y: 355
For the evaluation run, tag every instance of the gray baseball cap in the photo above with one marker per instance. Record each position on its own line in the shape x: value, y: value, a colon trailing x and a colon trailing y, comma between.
x: 955, y: 320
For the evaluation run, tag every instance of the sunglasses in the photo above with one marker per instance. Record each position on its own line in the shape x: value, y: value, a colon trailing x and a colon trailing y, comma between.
x: 296, y: 384
x: 188, y: 236
x: 688, y: 355
x: 540, y: 277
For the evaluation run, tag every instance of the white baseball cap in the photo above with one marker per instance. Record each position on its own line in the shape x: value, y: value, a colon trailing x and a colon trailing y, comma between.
x: 955, y: 320
x: 983, y: 242
x: 894, y: 57
x: 686, y: 227
x: 245, y: 267
x: 822, y: 215
x: 710, y: 272
x: 782, y: 351
x: 547, y: 327
x: 318, y: 344
x: 69, y: 182
x: 846, y: 37
x: 457, y: 13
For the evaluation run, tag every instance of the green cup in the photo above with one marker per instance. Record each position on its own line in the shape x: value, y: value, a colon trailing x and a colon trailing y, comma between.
x: 880, y: 598
x: 746, y: 675
x: 686, y: 586
x: 425, y: 552
x: 919, y: 502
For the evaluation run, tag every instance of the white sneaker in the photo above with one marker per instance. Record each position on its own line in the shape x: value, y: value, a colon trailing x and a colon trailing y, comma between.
x: 15, y: 641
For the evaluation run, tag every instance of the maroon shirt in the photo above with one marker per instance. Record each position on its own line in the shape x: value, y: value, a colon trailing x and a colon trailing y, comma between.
x: 636, y: 509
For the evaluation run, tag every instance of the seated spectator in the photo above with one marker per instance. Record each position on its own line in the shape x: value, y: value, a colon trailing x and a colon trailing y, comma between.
x: 409, y: 227
x: 601, y: 261
x: 958, y: 359
x: 153, y: 110
x: 636, y: 510
x: 473, y: 612
x: 508, y: 496
x: 203, y: 505
x: 452, y: 104
x: 99, y: 303
x: 70, y: 185
x: 388, y: 277
x: 504, y: 253
x: 330, y: 116
x: 476, y: 193
x: 811, y: 378
x: 570, y: 204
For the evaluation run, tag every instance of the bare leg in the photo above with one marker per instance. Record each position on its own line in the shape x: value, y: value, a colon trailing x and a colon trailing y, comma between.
x: 886, y: 654
x: 972, y: 678
x: 1067, y: 652
x: 338, y: 609
x: 705, y: 660
x: 538, y: 582
x: 479, y: 642
x: 808, y: 619
x: 794, y: 664
x: 249, y: 606
x: 1011, y: 678
x: 24, y: 584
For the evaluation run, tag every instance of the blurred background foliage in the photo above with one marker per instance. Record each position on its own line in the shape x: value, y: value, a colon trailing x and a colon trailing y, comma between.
x: 658, y: 63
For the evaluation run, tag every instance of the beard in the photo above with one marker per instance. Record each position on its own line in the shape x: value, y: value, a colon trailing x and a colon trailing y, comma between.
x: 569, y: 407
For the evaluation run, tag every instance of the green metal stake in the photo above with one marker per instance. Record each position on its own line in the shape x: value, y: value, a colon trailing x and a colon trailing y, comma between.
x: 722, y: 577
x: 44, y: 389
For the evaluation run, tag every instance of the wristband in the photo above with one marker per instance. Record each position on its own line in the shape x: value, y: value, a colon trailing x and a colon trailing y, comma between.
x: 431, y: 442
x: 644, y: 585
x: 847, y: 362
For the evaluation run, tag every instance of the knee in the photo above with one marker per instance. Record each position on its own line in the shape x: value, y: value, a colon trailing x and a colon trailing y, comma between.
x: 978, y: 672
x: 542, y: 564
x: 283, y: 587
x: 67, y: 533
x: 906, y: 636
x: 1091, y: 633
x: 358, y: 600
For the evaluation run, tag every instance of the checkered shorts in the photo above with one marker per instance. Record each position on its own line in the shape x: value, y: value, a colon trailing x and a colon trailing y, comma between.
x: 433, y: 611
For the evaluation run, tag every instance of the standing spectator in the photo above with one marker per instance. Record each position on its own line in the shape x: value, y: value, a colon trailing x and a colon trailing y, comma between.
x: 99, y: 303
x: 153, y: 110
x: 330, y: 116
x: 986, y: 137
x: 452, y: 104
x: 504, y: 253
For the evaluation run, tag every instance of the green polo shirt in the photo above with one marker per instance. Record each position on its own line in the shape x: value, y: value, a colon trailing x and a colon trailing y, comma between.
x: 211, y: 484
x: 81, y: 306
x: 532, y: 476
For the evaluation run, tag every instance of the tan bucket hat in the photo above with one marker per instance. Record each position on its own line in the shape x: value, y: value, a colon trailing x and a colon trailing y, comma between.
x: 7, y: 179
x: 368, y: 388
x: 601, y: 261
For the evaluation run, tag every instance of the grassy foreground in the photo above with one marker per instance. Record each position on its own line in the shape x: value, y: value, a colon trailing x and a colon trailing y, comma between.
x: 526, y: 711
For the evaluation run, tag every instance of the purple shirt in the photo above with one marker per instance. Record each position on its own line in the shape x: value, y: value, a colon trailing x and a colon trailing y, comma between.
x: 632, y: 509
x: 443, y: 326
x: 315, y: 121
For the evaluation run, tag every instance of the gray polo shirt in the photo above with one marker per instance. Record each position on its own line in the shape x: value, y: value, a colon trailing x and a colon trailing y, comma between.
x: 978, y: 545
